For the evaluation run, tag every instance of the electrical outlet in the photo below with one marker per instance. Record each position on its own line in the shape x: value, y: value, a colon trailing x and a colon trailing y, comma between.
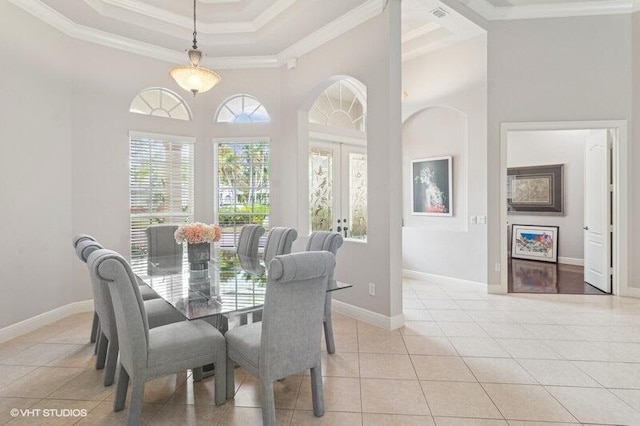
x: 372, y: 289
x: 497, y: 267
x: 482, y: 219
x: 474, y: 219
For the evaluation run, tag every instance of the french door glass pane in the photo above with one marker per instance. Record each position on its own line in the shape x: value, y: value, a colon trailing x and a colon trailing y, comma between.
x: 321, y: 188
x: 358, y: 195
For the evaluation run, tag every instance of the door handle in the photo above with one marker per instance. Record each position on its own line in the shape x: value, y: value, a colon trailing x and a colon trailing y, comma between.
x: 586, y: 228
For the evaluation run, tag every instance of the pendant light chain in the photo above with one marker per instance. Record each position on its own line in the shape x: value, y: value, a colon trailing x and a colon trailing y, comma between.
x: 195, y: 33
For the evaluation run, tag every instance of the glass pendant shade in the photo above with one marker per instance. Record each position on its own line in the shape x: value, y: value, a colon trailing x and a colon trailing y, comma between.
x: 194, y: 78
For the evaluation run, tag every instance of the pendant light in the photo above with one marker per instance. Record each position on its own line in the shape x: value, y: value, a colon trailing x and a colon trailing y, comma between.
x: 194, y: 78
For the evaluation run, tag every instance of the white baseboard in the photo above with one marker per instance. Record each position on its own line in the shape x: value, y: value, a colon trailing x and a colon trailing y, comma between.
x: 437, y: 279
x: 373, y: 318
x: 631, y: 292
x: 570, y: 261
x: 496, y: 289
x: 46, y: 318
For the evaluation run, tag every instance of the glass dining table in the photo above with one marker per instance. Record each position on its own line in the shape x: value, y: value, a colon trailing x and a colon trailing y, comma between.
x: 232, y: 287
x: 227, y: 293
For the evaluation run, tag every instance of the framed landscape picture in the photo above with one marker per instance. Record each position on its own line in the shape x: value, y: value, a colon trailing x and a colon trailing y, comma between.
x: 532, y: 242
x: 432, y: 189
x: 535, y: 190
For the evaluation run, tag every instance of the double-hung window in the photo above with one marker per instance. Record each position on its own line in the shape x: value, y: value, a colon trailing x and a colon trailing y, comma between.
x: 161, y: 187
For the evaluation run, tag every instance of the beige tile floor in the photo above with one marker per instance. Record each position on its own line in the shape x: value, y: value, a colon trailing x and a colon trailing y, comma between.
x: 463, y: 358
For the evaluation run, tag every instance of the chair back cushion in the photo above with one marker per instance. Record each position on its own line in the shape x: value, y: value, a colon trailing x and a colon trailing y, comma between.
x: 81, y: 237
x: 163, y: 251
x: 85, y: 248
x: 279, y: 241
x: 102, y: 302
x: 324, y: 240
x: 131, y: 319
x: 293, y: 313
x: 249, y: 239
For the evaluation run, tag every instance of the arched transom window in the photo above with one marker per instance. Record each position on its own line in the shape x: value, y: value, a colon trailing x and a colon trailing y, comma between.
x: 341, y: 105
x: 160, y: 102
x: 338, y: 160
x: 242, y: 109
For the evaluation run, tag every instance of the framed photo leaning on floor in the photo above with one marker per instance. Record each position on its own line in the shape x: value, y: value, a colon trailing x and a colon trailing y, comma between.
x: 535, y: 242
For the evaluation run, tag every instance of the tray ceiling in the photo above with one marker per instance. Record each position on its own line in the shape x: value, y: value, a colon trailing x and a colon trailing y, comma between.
x: 268, y: 33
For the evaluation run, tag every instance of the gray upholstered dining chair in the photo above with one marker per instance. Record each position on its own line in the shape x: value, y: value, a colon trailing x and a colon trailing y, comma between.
x: 287, y: 340
x: 279, y: 241
x: 158, y: 313
x: 249, y: 239
x: 85, y: 248
x: 331, y: 242
x: 164, y: 254
x: 82, y: 237
x: 147, y: 353
x: 95, y: 324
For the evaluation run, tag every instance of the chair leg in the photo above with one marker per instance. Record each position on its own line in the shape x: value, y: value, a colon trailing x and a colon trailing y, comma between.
x: 328, y: 326
x: 99, y: 333
x: 317, y: 395
x: 121, y: 389
x: 268, y: 404
x: 103, y: 343
x: 221, y: 377
x: 94, y: 328
x: 112, y: 361
x: 197, y: 374
x: 231, y: 379
x: 135, y: 406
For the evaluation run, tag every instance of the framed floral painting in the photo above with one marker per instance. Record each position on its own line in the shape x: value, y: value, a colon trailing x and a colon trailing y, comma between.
x: 432, y: 186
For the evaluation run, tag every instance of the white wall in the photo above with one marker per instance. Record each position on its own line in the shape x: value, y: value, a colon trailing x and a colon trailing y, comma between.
x: 446, y: 114
x: 35, y: 169
x: 561, y: 69
x: 536, y: 148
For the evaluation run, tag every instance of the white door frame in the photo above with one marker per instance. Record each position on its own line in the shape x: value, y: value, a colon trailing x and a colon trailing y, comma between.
x: 621, y: 160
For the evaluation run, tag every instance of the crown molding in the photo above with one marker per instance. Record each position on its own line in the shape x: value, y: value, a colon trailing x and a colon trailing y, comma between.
x: 115, y: 8
x: 555, y: 10
x: 443, y: 43
x: 420, y: 31
x: 336, y: 28
x: 92, y: 35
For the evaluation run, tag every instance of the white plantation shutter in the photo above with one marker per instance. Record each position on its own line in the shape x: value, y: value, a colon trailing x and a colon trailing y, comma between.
x: 161, y: 188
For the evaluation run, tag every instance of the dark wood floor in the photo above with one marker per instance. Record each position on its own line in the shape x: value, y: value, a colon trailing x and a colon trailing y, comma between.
x: 529, y: 276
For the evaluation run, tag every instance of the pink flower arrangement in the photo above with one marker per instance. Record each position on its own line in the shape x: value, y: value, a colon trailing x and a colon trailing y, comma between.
x: 196, y: 233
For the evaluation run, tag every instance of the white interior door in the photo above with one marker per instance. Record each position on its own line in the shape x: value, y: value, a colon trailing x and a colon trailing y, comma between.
x: 597, y: 208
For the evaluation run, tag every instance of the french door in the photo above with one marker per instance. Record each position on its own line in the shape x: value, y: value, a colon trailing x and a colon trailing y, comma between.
x: 338, y: 188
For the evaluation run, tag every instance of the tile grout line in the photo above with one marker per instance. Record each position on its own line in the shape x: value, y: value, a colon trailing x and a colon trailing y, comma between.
x: 417, y: 377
